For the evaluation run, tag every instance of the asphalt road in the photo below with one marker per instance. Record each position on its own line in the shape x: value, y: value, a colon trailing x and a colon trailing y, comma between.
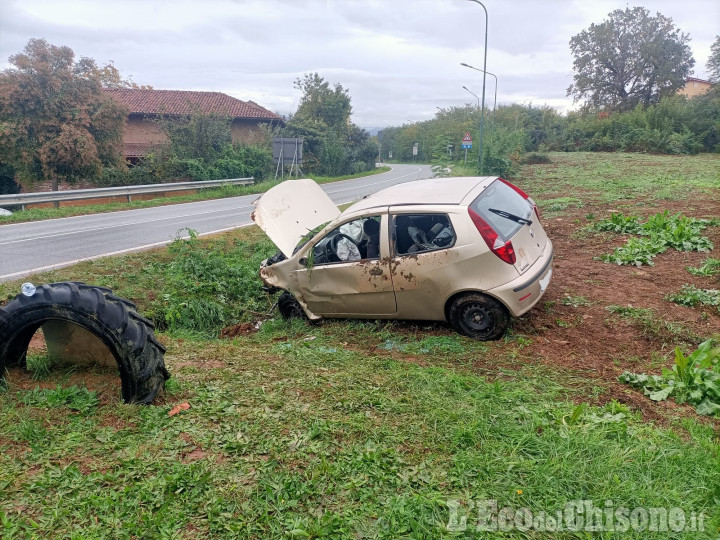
x: 27, y: 248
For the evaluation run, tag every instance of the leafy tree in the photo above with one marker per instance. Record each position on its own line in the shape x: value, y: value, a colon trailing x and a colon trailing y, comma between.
x: 110, y: 77
x: 629, y: 59
x: 441, y: 156
x: 322, y: 104
x: 333, y: 145
x: 55, y: 121
x: 198, y: 136
x: 713, y: 63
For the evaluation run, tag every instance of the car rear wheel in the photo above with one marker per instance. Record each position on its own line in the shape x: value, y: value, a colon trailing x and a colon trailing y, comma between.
x: 289, y: 307
x: 479, y: 316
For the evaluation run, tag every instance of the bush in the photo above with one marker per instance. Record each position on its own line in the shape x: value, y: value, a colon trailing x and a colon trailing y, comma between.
x: 8, y: 186
x: 502, y: 153
x: 210, y: 285
x: 536, y: 158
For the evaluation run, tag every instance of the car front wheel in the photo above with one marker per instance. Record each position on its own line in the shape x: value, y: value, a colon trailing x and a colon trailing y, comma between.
x: 289, y: 307
x: 479, y: 316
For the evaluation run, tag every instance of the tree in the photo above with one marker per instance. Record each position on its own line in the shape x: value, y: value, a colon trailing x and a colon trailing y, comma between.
x: 198, y: 136
x: 713, y: 63
x: 320, y: 103
x: 629, y: 59
x: 55, y: 120
x: 109, y: 76
x: 333, y: 145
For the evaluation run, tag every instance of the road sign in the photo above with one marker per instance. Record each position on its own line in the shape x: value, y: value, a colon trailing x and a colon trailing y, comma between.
x: 467, y: 138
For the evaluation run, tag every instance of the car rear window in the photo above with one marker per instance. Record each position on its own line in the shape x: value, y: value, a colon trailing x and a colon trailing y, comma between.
x: 500, y: 196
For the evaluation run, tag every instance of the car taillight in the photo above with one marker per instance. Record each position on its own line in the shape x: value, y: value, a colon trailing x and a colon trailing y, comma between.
x: 523, y: 195
x: 504, y: 250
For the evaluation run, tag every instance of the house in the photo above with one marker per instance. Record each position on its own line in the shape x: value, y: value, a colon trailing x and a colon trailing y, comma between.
x: 142, y: 132
x: 694, y: 87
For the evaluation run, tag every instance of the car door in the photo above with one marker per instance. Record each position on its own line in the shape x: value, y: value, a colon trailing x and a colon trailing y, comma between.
x: 423, y: 258
x: 355, y: 283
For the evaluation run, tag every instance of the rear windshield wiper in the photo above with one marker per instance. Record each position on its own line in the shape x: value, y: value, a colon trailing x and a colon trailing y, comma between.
x: 511, y: 217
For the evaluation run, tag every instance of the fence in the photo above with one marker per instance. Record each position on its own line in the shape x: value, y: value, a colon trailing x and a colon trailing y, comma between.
x: 57, y: 197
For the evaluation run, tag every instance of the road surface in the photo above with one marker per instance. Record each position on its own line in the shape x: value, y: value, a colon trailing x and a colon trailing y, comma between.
x: 27, y: 248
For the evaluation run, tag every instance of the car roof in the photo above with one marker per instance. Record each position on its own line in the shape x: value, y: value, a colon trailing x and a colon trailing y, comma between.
x: 448, y: 191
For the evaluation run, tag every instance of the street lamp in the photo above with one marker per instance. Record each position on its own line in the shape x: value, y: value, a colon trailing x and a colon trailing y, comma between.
x: 496, y: 85
x: 474, y: 94
x: 482, y: 114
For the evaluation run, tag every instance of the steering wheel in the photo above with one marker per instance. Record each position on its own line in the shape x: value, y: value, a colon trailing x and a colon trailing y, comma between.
x: 332, y: 245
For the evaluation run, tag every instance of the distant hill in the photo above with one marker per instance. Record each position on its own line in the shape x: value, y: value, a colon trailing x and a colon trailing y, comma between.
x: 373, y: 130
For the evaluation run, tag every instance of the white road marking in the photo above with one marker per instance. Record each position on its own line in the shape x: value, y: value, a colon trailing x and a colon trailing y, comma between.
x: 79, y: 231
x: 157, y: 244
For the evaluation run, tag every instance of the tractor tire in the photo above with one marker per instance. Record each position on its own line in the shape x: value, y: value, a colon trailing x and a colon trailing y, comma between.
x: 127, y: 335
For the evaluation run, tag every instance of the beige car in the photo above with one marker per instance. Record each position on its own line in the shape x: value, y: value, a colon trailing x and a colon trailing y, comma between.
x: 470, y: 251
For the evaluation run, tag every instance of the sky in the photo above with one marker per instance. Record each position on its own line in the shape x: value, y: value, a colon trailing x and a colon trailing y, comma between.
x: 399, y: 59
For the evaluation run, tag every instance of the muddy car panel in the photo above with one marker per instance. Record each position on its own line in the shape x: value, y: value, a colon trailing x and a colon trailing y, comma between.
x: 447, y: 259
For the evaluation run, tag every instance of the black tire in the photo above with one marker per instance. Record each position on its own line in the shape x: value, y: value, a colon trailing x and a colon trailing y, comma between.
x: 289, y: 307
x: 128, y: 336
x: 479, y: 316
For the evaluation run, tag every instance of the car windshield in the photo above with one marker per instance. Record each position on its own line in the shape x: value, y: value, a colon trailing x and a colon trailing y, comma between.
x: 503, y: 208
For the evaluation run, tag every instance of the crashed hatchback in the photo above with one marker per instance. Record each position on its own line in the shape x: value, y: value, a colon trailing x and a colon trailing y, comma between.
x: 470, y: 251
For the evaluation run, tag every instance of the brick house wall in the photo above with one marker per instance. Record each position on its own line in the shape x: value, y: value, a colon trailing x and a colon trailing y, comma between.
x: 142, y: 133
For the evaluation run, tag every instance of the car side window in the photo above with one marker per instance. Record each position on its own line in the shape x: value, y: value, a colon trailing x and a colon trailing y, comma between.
x: 352, y: 241
x: 418, y: 233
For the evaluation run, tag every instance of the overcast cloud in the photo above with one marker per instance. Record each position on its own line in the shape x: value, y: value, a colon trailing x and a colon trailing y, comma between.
x: 399, y: 59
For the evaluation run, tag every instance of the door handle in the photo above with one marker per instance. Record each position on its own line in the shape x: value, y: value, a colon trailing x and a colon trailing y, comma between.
x: 376, y: 271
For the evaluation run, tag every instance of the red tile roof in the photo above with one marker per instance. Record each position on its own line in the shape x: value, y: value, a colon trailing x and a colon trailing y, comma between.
x: 187, y: 102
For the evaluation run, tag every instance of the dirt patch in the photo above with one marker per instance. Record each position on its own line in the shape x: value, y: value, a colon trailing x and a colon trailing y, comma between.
x: 242, y: 329
x: 194, y: 455
x: 105, y: 381
x: 572, y: 327
x: 37, y: 343
x: 198, y: 363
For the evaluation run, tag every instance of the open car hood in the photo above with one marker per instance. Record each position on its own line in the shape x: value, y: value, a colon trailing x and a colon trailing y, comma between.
x: 288, y: 211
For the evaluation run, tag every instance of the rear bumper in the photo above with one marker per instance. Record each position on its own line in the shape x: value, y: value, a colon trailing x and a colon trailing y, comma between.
x: 521, y: 294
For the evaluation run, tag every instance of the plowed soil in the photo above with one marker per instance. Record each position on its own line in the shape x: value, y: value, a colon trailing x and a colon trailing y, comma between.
x: 600, y: 344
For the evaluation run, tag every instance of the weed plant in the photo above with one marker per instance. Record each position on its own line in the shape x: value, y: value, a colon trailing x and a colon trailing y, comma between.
x: 692, y: 296
x: 694, y: 379
x: 660, y: 232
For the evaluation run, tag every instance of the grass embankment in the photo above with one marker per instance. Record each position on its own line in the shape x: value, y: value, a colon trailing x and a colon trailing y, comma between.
x: 358, y: 429
x: 38, y: 214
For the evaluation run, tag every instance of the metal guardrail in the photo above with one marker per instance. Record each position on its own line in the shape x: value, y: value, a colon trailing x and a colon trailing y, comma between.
x: 120, y: 191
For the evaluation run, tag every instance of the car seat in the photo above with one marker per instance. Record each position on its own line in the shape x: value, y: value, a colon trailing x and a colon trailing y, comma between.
x: 371, y: 228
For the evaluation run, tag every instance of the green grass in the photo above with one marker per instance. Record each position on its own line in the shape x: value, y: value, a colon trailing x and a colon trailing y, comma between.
x: 637, y: 179
x: 311, y: 438
x: 38, y: 214
x: 347, y: 429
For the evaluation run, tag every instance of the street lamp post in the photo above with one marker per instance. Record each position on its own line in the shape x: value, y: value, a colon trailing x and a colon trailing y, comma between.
x: 482, y: 114
x: 474, y: 94
x: 496, y: 85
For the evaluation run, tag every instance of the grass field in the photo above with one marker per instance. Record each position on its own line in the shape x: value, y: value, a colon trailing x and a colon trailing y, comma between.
x: 352, y: 429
